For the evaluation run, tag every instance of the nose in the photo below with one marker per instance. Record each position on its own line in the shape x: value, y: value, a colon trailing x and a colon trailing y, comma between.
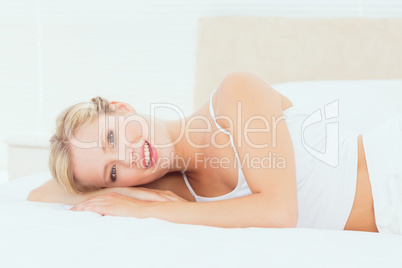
x: 131, y: 158
x: 125, y: 157
x: 135, y: 157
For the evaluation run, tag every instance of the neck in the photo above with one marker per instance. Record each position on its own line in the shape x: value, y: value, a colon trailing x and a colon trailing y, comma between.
x: 181, y: 152
x: 184, y: 151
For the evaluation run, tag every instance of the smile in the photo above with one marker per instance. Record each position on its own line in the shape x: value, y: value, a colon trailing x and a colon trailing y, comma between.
x: 148, y: 155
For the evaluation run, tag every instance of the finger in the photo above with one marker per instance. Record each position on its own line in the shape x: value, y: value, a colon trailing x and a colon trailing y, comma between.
x: 157, y: 197
x: 179, y: 198
x: 145, y: 195
x: 172, y: 197
x: 153, y: 196
x: 175, y: 197
x: 97, y: 208
x: 164, y: 197
x: 91, y: 206
x: 94, y: 198
x: 108, y: 196
x: 90, y: 201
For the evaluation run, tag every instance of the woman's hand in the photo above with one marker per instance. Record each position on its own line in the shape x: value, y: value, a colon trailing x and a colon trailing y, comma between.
x: 127, y: 202
x: 115, y: 204
x: 145, y: 194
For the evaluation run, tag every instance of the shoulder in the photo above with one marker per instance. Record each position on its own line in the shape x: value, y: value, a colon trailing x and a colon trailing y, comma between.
x: 240, y: 96
x: 243, y: 85
x: 248, y: 89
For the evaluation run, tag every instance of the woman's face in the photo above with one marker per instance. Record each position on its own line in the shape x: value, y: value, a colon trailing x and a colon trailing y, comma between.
x: 117, y: 150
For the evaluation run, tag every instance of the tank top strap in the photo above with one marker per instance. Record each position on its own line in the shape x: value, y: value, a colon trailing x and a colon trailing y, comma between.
x: 188, y: 185
x: 211, y: 111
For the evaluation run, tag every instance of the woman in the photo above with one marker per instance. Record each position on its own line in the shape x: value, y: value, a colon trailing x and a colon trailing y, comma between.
x: 242, y: 150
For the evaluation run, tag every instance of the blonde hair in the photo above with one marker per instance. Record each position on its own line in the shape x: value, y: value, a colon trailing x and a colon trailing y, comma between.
x: 67, y: 123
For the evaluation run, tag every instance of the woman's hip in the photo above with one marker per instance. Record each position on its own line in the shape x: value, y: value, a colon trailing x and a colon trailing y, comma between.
x: 383, y: 153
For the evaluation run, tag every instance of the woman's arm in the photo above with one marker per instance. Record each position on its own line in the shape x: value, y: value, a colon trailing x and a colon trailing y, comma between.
x: 53, y: 192
x: 256, y: 110
x: 248, y: 211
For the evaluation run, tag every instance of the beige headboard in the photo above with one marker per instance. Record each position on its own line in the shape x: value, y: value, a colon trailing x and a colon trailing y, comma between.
x: 296, y: 49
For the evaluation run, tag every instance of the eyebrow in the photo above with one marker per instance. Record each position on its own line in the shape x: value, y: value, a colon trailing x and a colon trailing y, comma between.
x: 103, y: 149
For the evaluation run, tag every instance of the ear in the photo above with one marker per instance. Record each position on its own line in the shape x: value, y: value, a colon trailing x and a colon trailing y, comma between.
x: 123, y: 106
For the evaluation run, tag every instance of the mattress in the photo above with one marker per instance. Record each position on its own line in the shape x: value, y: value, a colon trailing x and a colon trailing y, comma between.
x: 35, y: 234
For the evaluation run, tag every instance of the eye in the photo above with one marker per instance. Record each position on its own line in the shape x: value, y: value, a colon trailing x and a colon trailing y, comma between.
x: 113, y: 174
x: 110, y: 138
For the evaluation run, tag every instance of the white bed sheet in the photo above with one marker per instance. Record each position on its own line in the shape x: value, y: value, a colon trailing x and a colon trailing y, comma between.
x: 34, y: 234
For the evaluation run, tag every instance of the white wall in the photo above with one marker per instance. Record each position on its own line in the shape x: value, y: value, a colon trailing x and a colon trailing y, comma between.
x: 54, y: 53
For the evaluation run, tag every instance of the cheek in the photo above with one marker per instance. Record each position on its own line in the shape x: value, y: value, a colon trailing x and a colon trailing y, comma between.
x: 126, y: 177
x: 134, y: 130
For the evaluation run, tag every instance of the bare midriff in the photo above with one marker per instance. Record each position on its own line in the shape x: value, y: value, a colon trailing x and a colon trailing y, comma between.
x: 361, y: 217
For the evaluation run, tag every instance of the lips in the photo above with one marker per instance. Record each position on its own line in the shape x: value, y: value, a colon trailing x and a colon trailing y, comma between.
x: 146, y: 155
x: 152, y: 154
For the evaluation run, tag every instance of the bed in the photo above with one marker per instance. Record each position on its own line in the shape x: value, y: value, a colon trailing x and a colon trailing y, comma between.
x: 368, y: 90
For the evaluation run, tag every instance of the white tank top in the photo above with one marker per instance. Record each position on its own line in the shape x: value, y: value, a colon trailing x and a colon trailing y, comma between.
x: 326, y: 180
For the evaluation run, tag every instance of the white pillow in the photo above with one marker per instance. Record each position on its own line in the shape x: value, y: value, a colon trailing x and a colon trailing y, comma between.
x: 19, y: 189
x: 363, y: 104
